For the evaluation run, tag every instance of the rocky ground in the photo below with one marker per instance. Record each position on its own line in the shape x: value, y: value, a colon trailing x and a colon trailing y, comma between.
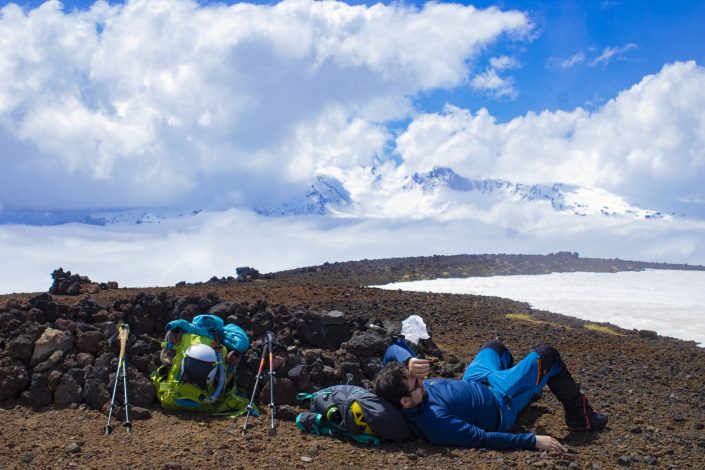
x: 55, y: 367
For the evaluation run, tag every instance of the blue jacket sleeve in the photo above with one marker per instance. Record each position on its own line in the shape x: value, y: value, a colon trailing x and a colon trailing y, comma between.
x: 399, y: 352
x: 450, y: 430
x: 396, y: 353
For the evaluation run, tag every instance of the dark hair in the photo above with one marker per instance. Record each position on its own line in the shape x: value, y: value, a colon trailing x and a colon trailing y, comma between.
x: 391, y: 383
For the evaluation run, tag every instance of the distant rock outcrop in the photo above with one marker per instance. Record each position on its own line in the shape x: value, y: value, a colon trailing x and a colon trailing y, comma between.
x: 66, y: 283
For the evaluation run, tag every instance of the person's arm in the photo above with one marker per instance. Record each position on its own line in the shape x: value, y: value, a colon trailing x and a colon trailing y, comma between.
x: 450, y: 430
x: 400, y: 352
x: 397, y: 352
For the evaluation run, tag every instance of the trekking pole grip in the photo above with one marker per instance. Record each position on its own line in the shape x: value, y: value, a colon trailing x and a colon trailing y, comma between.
x: 123, y: 334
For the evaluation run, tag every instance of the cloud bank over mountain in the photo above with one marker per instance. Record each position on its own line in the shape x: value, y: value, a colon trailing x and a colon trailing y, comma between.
x: 213, y: 244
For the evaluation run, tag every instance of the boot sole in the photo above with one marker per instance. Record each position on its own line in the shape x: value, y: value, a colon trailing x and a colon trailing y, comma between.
x: 584, y: 429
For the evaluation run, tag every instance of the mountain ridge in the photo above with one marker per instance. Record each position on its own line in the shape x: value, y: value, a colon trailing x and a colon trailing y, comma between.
x: 439, y: 192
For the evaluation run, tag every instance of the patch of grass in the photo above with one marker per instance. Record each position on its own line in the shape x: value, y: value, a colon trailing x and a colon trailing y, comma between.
x: 602, y: 329
x: 524, y: 317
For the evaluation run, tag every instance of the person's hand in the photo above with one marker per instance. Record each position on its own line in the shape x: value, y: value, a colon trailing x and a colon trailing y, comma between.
x: 419, y: 367
x: 550, y: 444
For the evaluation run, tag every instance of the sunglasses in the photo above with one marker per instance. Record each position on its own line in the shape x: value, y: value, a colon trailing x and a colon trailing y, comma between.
x: 417, y: 385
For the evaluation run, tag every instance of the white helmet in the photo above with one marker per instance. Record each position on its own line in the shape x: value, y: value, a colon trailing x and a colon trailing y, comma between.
x: 200, y: 365
x: 201, y: 352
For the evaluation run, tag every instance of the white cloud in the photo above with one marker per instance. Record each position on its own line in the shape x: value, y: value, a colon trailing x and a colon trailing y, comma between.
x: 503, y: 63
x: 575, y: 59
x: 646, y: 144
x: 491, y: 83
x: 332, y: 143
x: 160, y: 102
x: 610, y: 53
x: 213, y: 244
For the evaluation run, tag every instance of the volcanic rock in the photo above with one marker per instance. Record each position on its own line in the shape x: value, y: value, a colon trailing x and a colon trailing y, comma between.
x: 11, y: 320
x: 39, y: 393
x: 21, y: 347
x: 246, y: 274
x: 66, y: 283
x: 140, y: 388
x: 85, y: 359
x: 107, y: 360
x: 90, y: 341
x: 66, y: 324
x: 51, y: 361
x: 13, y: 378
x: 46, y: 304
x: 95, y: 393
x: 284, y: 392
x: 54, y: 378
x: 329, y: 330
x: 50, y: 341
x: 68, y: 391
x: 371, y: 365
x: 35, y: 315
x: 365, y: 344
x: 301, y: 376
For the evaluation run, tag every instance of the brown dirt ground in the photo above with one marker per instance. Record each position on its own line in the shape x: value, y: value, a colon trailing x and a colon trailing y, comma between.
x: 652, y: 390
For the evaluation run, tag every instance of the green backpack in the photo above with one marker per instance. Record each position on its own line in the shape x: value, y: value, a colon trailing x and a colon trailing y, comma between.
x: 194, y: 375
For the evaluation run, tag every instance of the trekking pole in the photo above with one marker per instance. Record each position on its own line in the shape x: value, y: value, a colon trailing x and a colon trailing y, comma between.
x: 272, y: 429
x: 254, y: 390
x: 123, y: 334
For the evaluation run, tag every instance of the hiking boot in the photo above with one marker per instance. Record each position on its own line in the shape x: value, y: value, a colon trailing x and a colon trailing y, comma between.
x: 580, y: 416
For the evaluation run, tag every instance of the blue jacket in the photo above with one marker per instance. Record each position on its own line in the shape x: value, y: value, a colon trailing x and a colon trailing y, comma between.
x: 458, y: 413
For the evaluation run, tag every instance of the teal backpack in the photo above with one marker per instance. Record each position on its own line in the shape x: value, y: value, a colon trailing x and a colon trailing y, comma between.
x: 354, y: 413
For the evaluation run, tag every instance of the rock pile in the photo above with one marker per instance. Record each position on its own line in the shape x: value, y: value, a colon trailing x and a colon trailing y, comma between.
x: 66, y: 283
x: 246, y: 273
x: 52, y: 352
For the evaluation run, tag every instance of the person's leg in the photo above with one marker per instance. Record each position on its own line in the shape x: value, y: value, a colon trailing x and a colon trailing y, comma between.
x: 515, y: 387
x: 579, y: 415
x: 493, y: 356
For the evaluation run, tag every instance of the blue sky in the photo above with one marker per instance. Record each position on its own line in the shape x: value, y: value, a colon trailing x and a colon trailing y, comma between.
x: 174, y: 104
x: 647, y: 34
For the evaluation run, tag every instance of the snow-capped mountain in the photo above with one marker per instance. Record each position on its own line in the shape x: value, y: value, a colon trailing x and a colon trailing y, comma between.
x: 371, y: 193
x: 578, y: 200
x: 324, y: 196
x: 442, y: 191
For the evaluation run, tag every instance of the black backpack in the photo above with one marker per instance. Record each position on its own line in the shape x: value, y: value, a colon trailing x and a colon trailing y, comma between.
x: 349, y: 411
